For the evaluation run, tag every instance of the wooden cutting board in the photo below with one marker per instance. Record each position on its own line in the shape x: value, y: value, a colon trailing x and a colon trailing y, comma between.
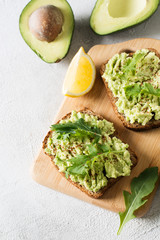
x: 146, y: 144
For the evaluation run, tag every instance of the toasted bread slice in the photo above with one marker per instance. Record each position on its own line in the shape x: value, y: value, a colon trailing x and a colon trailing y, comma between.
x: 134, y: 126
x: 111, y: 181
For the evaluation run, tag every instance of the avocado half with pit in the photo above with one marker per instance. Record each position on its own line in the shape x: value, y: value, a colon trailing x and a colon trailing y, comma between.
x: 112, y: 15
x: 47, y: 27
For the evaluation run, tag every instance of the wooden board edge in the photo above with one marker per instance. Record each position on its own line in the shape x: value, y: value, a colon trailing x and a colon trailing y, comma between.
x: 119, y: 43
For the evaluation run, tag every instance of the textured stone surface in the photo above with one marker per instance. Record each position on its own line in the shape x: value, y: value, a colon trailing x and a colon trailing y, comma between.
x: 30, y: 92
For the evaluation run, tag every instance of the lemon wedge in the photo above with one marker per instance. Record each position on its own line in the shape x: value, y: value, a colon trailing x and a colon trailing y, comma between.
x: 80, y: 76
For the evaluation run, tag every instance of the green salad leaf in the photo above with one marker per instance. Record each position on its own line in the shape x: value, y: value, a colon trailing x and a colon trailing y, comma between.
x: 141, y: 187
x: 136, y: 89
x: 78, y: 128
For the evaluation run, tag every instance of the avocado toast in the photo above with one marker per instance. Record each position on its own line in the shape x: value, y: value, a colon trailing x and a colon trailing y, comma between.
x: 86, y: 150
x: 132, y: 80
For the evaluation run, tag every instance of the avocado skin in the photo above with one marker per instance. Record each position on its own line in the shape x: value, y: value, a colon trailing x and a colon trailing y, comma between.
x: 56, y: 58
x: 156, y: 3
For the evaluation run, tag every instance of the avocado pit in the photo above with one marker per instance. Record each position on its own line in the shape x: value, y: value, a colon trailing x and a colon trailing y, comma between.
x: 46, y: 22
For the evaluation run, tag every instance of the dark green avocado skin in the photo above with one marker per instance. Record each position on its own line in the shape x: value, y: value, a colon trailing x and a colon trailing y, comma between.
x: 95, y: 9
x: 56, y: 56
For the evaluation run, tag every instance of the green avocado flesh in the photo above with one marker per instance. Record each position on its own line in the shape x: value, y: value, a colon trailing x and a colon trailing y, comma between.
x: 87, y: 160
x: 48, y: 51
x: 112, y: 15
x: 135, y: 83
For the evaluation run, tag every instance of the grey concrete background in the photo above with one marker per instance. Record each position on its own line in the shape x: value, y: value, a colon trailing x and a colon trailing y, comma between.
x: 30, y: 93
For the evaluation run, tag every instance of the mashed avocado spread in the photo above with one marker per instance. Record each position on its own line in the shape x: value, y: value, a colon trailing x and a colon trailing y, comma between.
x: 135, y: 83
x: 85, y: 149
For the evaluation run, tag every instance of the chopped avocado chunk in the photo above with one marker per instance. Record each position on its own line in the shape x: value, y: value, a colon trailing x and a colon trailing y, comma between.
x: 112, y: 15
x: 47, y: 27
x: 86, y: 161
x: 135, y: 83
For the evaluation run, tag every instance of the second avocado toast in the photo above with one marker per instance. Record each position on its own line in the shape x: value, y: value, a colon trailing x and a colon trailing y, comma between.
x: 132, y: 81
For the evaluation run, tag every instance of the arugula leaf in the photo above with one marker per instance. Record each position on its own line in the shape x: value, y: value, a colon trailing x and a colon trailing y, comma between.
x: 98, y: 148
x: 78, y: 128
x: 79, y: 166
x: 141, y: 187
x: 132, y: 64
x: 136, y: 89
x: 133, y: 90
x: 80, y: 162
x: 148, y: 88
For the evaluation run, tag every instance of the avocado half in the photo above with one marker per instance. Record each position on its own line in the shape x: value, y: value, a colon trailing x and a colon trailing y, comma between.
x: 57, y: 49
x: 112, y: 15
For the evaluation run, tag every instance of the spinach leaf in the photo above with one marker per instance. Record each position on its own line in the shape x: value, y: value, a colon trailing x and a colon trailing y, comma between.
x: 141, y: 187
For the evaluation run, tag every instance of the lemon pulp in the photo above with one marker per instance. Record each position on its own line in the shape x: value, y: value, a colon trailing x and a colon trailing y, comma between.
x: 83, y: 76
x: 80, y: 76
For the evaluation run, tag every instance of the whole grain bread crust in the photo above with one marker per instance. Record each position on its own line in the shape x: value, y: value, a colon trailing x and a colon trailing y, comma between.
x: 134, y: 126
x: 111, y: 181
